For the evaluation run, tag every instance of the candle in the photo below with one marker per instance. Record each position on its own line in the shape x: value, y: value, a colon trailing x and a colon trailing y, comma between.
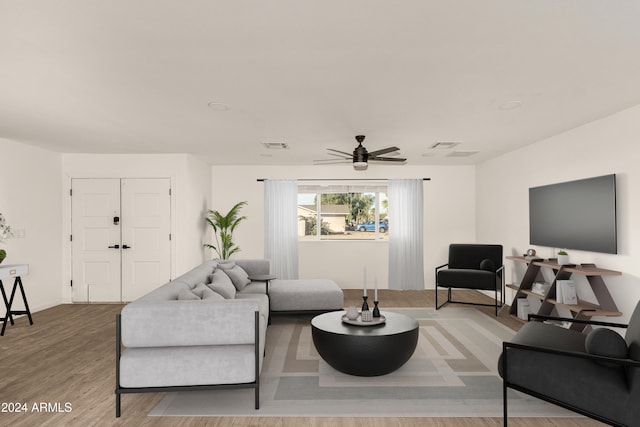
x: 375, y: 289
x: 365, y: 281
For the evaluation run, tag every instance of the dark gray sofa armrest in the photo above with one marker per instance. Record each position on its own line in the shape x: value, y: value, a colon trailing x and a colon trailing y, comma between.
x: 585, y: 355
x: 542, y: 317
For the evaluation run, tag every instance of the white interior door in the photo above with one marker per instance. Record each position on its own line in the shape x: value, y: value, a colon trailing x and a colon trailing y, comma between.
x: 96, y: 265
x: 146, y: 246
x: 120, y: 238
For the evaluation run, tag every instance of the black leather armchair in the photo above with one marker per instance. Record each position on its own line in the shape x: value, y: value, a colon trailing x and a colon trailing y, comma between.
x: 595, y: 374
x: 472, y: 266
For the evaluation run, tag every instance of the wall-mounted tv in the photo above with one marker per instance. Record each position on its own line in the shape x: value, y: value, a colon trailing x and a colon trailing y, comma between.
x: 575, y: 215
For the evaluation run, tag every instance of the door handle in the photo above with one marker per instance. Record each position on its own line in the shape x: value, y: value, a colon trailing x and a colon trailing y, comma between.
x: 114, y: 247
x: 126, y: 247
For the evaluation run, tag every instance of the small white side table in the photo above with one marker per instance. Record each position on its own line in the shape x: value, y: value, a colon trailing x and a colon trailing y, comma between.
x: 16, y: 271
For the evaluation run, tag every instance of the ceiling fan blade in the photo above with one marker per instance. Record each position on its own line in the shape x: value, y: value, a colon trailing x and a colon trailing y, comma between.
x: 342, y: 156
x: 330, y: 161
x: 341, y: 152
x: 383, y: 151
x: 387, y: 159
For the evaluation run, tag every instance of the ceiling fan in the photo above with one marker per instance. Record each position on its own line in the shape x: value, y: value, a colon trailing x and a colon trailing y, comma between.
x: 360, y: 156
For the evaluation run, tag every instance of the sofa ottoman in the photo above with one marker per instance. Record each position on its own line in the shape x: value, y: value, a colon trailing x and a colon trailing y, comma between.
x: 305, y: 295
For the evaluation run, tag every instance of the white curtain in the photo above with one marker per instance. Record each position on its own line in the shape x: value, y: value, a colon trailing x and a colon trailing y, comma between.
x: 281, y: 227
x: 406, y: 261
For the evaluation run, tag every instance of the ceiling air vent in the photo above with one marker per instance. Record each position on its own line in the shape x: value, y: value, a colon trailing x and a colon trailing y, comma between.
x: 462, y: 153
x: 444, y: 145
x: 276, y: 145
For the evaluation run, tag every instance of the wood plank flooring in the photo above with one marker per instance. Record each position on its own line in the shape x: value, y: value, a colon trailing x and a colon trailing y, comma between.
x: 68, y: 358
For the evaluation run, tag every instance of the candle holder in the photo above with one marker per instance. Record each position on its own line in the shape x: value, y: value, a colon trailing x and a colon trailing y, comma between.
x: 366, y: 316
x: 376, y: 312
x: 365, y: 306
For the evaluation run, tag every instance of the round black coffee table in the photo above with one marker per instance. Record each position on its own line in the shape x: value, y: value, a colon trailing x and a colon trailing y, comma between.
x: 365, y: 351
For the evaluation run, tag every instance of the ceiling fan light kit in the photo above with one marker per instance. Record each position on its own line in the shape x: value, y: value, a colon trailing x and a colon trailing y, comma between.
x: 360, y: 166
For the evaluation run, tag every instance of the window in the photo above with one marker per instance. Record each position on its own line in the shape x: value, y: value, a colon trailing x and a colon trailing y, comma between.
x: 343, y: 212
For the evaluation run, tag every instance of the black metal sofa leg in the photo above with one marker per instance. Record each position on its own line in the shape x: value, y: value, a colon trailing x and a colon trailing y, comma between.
x: 117, y: 405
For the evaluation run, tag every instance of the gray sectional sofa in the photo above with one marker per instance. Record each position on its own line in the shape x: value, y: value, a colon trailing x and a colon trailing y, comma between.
x: 207, y: 328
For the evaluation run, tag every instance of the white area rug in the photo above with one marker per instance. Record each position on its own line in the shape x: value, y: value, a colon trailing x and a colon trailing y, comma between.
x: 453, y: 373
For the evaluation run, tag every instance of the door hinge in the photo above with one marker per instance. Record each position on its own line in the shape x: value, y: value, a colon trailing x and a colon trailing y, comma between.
x: 71, y: 283
x: 71, y: 237
x: 71, y: 191
x: 169, y: 236
x: 169, y: 191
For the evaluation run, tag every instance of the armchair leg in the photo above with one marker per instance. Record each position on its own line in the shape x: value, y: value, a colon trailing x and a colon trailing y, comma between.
x: 504, y: 404
x: 504, y: 386
x: 444, y: 303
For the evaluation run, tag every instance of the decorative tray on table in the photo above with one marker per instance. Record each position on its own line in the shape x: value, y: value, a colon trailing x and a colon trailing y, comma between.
x: 358, y: 320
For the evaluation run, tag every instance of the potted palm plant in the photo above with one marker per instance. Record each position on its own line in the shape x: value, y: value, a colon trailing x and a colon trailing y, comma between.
x: 223, y: 226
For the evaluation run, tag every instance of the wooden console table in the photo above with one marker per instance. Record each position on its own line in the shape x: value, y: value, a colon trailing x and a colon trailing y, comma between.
x: 16, y: 271
x: 605, y: 307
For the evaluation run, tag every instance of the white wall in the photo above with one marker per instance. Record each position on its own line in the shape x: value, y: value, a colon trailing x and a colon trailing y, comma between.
x: 31, y: 200
x: 450, y: 212
x: 195, y: 197
x: 191, y: 192
x: 608, y: 145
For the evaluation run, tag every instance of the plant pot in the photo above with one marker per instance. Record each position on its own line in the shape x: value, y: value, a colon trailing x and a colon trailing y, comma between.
x: 563, y: 259
x: 3, y: 255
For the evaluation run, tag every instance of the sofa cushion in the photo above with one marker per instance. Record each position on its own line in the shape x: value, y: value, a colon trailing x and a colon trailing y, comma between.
x: 263, y: 302
x: 186, y: 294
x: 487, y: 265
x: 205, y: 292
x: 238, y: 276
x: 213, y: 296
x: 221, y: 283
x: 305, y: 294
x: 470, y: 255
x: 466, y: 278
x: 606, y: 342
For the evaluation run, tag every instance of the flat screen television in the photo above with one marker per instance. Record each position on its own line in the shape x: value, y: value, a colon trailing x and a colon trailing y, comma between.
x: 575, y: 215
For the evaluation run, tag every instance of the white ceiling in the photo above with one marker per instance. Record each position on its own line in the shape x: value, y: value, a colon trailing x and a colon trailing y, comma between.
x: 133, y: 76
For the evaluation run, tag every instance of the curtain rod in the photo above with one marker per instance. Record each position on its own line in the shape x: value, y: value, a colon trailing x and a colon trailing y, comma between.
x: 343, y: 179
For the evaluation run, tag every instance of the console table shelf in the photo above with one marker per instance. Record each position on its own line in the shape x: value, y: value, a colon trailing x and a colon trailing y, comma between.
x: 581, y: 310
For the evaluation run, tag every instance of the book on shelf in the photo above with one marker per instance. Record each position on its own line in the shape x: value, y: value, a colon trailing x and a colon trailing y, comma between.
x: 540, y: 288
x: 523, y: 308
x: 566, y: 292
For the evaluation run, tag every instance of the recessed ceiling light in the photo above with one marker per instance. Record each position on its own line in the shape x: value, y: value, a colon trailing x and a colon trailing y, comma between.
x: 219, y: 106
x: 276, y: 145
x: 510, y: 105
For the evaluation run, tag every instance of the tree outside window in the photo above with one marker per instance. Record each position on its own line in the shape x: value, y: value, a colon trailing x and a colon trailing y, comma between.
x: 343, y: 215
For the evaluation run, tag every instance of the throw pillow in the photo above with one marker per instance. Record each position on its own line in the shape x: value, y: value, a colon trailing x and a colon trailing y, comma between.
x: 186, y: 294
x: 200, y: 290
x: 223, y: 285
x: 212, y: 296
x: 606, y: 342
x: 238, y: 276
x: 226, y: 265
x: 488, y: 265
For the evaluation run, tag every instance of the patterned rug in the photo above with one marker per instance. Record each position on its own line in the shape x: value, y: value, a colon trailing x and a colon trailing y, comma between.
x: 453, y: 373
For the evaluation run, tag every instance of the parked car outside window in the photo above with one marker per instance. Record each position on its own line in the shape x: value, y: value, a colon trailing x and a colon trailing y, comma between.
x: 370, y: 226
